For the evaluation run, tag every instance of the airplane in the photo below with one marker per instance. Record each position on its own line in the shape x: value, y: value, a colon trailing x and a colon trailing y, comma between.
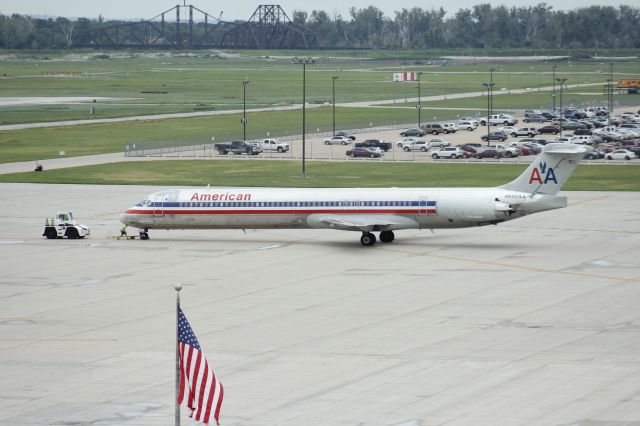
x: 364, y: 210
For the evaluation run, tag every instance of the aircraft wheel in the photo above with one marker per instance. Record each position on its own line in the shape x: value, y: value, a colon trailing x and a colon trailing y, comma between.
x: 387, y: 236
x: 144, y: 236
x: 368, y: 239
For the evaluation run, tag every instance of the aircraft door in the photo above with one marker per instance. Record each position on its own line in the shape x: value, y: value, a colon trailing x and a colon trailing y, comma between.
x: 158, y: 204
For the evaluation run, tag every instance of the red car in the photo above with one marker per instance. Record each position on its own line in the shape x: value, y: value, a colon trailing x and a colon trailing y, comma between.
x: 488, y: 153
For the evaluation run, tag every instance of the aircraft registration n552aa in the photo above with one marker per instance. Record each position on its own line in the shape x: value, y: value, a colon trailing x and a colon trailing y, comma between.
x: 365, y: 210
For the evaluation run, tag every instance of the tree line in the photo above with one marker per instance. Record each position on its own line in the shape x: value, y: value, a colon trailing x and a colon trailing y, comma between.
x: 482, y: 26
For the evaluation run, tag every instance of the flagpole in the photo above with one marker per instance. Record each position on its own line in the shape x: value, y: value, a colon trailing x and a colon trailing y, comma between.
x: 178, y: 287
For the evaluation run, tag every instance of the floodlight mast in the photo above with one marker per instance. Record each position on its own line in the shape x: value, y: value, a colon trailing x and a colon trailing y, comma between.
x: 304, y: 61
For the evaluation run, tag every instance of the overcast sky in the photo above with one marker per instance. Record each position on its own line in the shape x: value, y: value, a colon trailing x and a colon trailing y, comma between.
x: 242, y: 9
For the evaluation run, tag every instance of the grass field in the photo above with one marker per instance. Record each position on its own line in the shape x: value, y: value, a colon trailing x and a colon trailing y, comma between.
x: 43, y: 143
x: 145, y: 85
x: 323, y: 174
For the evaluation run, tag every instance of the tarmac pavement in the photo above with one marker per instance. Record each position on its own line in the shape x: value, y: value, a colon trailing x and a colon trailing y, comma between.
x: 532, y: 322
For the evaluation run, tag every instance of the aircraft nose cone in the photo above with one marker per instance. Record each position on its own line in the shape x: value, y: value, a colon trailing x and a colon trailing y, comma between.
x: 124, y: 218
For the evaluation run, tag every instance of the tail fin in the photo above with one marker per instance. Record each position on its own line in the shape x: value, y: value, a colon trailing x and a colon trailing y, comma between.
x: 550, y: 170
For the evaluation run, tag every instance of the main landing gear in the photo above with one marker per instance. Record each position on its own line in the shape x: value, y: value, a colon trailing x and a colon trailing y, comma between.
x: 144, y: 235
x: 368, y: 239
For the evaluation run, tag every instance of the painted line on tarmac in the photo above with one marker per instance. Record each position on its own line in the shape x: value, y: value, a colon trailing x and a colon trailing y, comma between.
x: 513, y: 266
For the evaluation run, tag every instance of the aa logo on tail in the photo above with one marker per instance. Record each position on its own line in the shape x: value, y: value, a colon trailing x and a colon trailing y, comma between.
x: 537, y: 175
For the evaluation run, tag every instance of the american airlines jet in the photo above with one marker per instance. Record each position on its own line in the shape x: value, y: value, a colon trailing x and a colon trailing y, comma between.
x: 364, y: 210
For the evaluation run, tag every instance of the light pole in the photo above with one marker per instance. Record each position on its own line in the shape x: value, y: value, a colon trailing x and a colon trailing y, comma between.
x: 491, y: 88
x: 304, y: 61
x: 610, y: 93
x: 488, y: 86
x: 553, y: 94
x: 561, y: 81
x: 333, y: 84
x: 244, y: 109
x: 419, y: 106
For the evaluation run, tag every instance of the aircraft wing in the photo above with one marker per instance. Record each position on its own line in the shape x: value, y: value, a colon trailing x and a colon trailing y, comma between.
x: 361, y: 222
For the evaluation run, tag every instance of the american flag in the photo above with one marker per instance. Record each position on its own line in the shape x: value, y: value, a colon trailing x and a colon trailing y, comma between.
x: 199, y: 386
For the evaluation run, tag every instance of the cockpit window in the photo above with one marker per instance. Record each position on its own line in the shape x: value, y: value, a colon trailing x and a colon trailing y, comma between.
x: 146, y: 202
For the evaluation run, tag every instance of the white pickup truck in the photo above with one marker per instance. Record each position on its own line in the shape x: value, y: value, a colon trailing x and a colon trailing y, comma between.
x: 273, y: 145
x: 504, y: 119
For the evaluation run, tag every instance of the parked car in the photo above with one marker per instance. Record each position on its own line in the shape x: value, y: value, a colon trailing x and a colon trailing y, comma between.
x: 468, y: 124
x: 433, y: 128
x: 525, y: 131
x: 471, y: 147
x: 468, y: 150
x: 620, y: 154
x: 582, y: 132
x: 526, y: 148
x: 417, y: 146
x: 337, y: 140
x: 448, y: 152
x: 449, y: 128
x: 351, y: 136
x: 593, y: 155
x: 413, y: 132
x: 403, y: 142
x: 535, y: 119
x: 375, y: 143
x: 507, y: 130
x: 238, y: 147
x: 507, y: 150
x: 534, y: 148
x: 488, y: 153
x: 538, y: 141
x: 633, y: 148
x: 573, y: 125
x: 438, y: 143
x: 362, y: 152
x: 494, y: 136
x: 553, y: 129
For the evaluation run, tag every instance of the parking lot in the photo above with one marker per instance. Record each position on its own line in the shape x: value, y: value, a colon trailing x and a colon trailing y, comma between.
x: 317, y: 149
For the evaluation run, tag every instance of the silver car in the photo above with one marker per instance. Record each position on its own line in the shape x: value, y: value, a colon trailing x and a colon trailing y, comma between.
x: 438, y: 143
x: 337, y: 140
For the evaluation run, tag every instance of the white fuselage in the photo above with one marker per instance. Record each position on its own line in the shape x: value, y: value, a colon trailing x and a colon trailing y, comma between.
x: 248, y: 208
